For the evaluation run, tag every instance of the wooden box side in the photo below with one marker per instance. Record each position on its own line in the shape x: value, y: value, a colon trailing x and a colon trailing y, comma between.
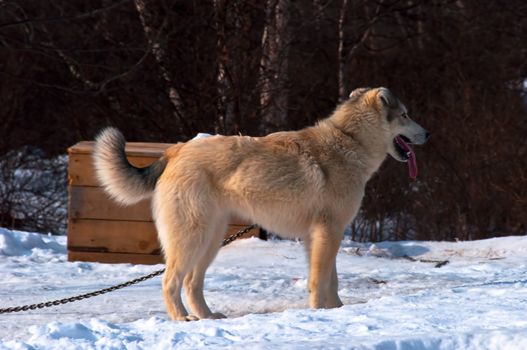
x: 115, y: 258
x: 99, y: 229
x: 111, y: 236
x: 122, y: 241
x: 81, y: 171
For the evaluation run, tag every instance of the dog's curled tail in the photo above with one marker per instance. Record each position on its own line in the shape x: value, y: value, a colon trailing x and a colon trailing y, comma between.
x: 120, y: 179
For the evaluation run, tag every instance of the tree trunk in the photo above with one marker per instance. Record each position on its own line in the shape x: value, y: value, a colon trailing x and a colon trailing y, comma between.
x: 153, y: 27
x: 342, y: 54
x: 274, y: 67
x: 225, y: 105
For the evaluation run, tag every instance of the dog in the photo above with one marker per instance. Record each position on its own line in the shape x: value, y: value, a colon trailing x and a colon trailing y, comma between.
x: 305, y: 184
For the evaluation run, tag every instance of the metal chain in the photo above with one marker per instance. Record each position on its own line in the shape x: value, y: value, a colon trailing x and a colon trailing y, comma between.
x: 237, y: 235
x: 226, y: 241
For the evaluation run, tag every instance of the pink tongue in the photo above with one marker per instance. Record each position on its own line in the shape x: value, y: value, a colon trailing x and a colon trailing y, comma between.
x: 412, y: 163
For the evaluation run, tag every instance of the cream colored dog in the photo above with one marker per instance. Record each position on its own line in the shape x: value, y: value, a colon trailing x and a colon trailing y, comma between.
x: 307, y: 184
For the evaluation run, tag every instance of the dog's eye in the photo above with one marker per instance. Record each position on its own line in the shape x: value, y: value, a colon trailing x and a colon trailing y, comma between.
x: 404, y: 115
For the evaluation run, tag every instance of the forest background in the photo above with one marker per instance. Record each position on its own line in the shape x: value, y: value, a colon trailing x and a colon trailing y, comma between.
x: 163, y: 71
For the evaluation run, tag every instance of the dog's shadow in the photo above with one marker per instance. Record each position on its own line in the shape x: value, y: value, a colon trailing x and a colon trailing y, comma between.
x: 390, y: 249
x: 403, y: 249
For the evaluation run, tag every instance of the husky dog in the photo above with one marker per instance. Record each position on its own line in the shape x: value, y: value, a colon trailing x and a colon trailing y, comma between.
x: 307, y: 184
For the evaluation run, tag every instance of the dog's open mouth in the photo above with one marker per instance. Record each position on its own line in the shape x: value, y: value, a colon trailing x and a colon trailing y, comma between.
x: 402, y: 145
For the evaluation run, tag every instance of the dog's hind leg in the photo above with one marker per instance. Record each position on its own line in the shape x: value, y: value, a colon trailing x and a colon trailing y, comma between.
x: 180, y: 241
x: 172, y: 282
x: 194, y: 282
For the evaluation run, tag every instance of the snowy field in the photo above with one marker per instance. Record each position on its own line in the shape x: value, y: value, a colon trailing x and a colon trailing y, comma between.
x: 477, y: 301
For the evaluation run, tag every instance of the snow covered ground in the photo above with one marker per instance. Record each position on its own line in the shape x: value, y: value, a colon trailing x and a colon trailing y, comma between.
x: 477, y: 301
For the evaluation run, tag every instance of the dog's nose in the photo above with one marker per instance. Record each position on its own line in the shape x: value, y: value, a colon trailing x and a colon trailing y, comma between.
x: 427, y: 135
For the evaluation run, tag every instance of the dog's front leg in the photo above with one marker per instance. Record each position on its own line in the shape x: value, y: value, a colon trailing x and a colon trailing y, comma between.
x: 322, y: 250
x: 333, y: 299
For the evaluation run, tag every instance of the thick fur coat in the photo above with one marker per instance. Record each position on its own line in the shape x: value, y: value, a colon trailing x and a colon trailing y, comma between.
x: 307, y: 184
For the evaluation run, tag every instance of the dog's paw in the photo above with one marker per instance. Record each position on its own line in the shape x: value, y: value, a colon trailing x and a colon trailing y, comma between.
x: 190, y: 318
x: 333, y: 305
x: 213, y: 316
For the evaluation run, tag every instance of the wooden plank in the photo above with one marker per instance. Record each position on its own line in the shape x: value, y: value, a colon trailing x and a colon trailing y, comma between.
x: 94, y: 203
x: 81, y: 171
x: 255, y: 232
x: 115, y: 258
x: 123, y: 236
x: 138, y: 149
x: 239, y: 221
x: 109, y: 242
x: 113, y: 236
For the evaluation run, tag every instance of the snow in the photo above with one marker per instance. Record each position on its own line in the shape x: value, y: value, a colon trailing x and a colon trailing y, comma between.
x: 476, y: 301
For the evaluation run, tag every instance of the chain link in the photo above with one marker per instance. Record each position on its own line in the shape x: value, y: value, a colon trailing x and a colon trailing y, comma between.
x: 226, y: 241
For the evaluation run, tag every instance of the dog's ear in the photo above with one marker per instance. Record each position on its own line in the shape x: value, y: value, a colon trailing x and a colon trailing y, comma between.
x: 388, y: 99
x: 390, y: 102
x: 355, y: 94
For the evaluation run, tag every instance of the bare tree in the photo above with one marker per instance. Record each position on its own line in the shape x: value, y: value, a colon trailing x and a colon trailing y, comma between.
x: 225, y: 105
x: 342, y: 54
x: 164, y: 70
x: 33, y: 191
x: 154, y: 22
x: 350, y: 43
x: 274, y: 66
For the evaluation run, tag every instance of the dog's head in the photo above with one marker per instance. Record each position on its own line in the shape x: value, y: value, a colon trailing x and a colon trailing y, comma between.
x: 399, y: 128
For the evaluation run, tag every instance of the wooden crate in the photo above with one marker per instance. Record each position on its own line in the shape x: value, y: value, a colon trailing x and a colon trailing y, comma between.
x: 101, y: 230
